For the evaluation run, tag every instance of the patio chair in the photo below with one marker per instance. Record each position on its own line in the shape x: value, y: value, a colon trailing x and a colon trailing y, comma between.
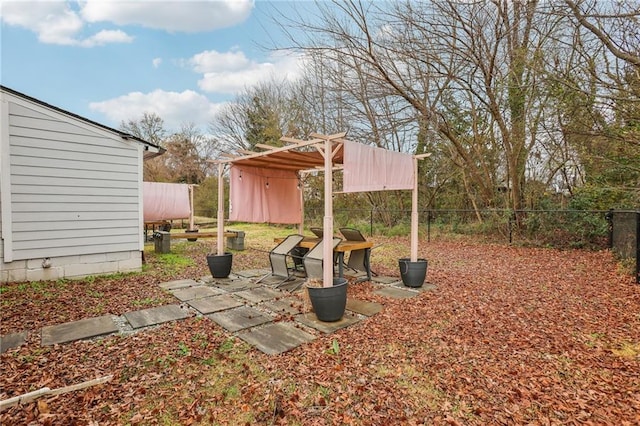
x: 279, y: 258
x: 356, y: 257
x: 318, y: 232
x: 313, y: 259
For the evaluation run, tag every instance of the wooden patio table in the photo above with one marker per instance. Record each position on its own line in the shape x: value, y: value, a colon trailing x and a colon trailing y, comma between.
x: 341, y: 249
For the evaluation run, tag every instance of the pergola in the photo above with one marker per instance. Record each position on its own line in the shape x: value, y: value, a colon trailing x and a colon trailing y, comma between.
x: 324, y: 153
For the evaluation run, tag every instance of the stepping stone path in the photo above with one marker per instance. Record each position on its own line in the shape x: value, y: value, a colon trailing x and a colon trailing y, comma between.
x: 78, y: 330
x: 209, y: 305
x: 276, y: 337
x: 155, y: 316
x: 239, y: 304
x: 239, y: 318
x: 190, y: 293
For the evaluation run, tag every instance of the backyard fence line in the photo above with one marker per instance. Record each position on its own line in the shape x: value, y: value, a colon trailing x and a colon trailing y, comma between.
x: 618, y: 230
x: 577, y: 227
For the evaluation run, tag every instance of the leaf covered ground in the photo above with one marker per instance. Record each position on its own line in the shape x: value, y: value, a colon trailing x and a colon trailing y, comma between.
x: 511, y: 335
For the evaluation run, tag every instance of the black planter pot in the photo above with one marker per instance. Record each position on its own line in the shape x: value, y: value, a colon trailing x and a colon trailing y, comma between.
x: 220, y: 264
x: 413, y: 274
x: 190, y: 231
x: 329, y: 303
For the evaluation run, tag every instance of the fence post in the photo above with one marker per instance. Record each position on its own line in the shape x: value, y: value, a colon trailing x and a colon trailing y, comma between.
x: 609, y: 218
x: 512, y: 219
x: 370, y: 222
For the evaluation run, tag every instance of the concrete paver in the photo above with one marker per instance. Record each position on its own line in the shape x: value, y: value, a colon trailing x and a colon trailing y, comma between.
x: 276, y: 338
x: 259, y: 294
x: 239, y: 318
x: 309, y: 319
x: 78, y: 330
x: 12, y: 340
x: 198, y: 292
x: 173, y: 285
x: 422, y: 288
x: 290, y: 286
x: 253, y: 273
x: 286, y: 305
x: 235, y: 285
x: 386, y: 280
x: 396, y: 292
x: 209, y: 305
x: 362, y: 307
x: 154, y: 316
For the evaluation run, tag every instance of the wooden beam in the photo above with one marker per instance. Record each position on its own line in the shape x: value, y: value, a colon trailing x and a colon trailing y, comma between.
x: 266, y: 153
x: 265, y: 146
x: 328, y: 137
x: 421, y: 156
x: 31, y: 396
x: 286, y: 139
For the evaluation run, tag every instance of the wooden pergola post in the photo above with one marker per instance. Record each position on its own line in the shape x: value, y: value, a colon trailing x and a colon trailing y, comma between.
x: 414, y: 207
x: 327, y: 249
x: 220, y: 219
x: 301, y: 189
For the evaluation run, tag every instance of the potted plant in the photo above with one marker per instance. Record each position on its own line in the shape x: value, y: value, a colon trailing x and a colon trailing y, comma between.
x: 413, y: 273
x: 220, y: 264
x: 192, y: 231
x: 328, y: 303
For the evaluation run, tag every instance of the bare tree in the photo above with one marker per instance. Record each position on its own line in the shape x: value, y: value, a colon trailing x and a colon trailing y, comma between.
x: 596, y: 92
x: 260, y: 114
x: 471, y: 71
x: 149, y: 127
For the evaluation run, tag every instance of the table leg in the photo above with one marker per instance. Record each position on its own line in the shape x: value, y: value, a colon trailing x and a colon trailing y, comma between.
x: 367, y: 262
x: 341, y: 264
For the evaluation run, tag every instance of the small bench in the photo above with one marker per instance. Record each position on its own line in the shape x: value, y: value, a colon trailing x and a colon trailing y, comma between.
x: 162, y: 239
x: 214, y: 234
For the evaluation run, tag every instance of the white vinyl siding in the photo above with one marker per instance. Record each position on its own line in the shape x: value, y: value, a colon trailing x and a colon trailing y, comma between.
x: 74, y: 186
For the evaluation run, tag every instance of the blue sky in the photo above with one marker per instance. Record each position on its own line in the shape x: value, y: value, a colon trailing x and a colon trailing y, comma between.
x: 110, y: 60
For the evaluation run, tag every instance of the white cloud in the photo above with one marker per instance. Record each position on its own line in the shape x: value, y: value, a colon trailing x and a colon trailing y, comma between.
x: 56, y: 23
x: 183, y: 16
x: 53, y: 21
x: 175, y: 108
x: 212, y: 61
x: 232, y: 72
x: 156, y: 62
x: 106, y: 36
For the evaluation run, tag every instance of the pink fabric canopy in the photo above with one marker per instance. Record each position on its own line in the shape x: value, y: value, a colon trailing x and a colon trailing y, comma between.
x: 165, y: 201
x: 367, y: 168
x: 263, y: 195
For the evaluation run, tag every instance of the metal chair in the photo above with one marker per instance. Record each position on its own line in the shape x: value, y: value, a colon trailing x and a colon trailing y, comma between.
x: 357, y: 258
x: 313, y: 260
x: 318, y: 232
x: 279, y: 258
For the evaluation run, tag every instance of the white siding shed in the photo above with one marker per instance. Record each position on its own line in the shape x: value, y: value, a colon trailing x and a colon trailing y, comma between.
x: 70, y: 193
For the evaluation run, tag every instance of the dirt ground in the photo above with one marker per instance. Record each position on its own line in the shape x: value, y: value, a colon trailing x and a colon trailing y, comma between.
x: 511, y: 335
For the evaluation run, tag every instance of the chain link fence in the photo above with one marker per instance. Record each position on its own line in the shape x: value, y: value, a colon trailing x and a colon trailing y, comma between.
x: 551, y: 228
x: 563, y: 229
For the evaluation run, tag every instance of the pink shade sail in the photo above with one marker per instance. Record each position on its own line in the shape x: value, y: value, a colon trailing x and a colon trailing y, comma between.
x: 165, y: 201
x: 367, y: 168
x: 261, y: 195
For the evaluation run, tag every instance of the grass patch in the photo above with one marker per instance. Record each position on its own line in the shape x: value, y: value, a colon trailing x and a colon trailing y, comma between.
x: 627, y: 350
x: 174, y: 260
x: 146, y: 301
x: 217, y: 387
